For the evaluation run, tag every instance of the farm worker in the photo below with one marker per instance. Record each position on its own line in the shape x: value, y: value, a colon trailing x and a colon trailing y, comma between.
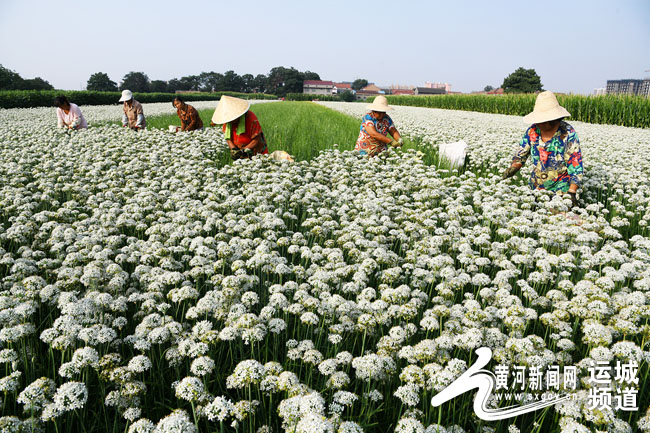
x: 133, y: 116
x: 190, y: 119
x: 555, y: 149
x: 68, y: 114
x: 240, y: 126
x: 375, y: 127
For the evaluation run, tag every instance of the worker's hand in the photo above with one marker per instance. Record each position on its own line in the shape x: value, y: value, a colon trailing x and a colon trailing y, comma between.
x: 247, y: 152
x: 574, y: 199
x: 510, y: 171
x: 236, y: 154
x: 395, y: 143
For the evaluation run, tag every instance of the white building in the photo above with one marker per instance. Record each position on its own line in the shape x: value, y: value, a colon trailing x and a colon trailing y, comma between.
x: 317, y: 87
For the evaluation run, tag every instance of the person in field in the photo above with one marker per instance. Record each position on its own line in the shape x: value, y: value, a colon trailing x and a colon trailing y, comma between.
x: 555, y: 149
x: 133, y: 116
x: 240, y: 126
x: 190, y: 119
x: 68, y: 114
x: 375, y: 128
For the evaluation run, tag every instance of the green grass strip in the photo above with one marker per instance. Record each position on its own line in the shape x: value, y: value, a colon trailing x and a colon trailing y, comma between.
x: 304, y: 129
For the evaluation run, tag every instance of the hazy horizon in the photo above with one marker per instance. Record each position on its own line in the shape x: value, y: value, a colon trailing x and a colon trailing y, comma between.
x: 575, y: 47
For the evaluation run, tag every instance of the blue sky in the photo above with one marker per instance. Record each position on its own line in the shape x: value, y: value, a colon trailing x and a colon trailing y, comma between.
x: 575, y: 46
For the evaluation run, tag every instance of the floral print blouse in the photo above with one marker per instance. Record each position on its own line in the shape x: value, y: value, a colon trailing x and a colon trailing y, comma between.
x: 557, y: 163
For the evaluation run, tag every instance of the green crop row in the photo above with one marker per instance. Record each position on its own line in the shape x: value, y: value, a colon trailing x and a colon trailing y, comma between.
x: 607, y: 109
x: 45, y: 98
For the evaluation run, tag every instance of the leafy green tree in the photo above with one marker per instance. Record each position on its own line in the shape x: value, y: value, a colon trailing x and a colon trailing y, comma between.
x: 248, y: 82
x: 136, y: 82
x: 347, y: 96
x: 284, y: 80
x: 232, y: 82
x: 210, y: 81
x: 10, y: 80
x: 191, y: 82
x: 488, y: 88
x: 522, y: 81
x: 100, y: 82
x: 309, y: 75
x: 159, y: 86
x: 259, y: 84
x: 173, y: 85
x: 36, y: 84
x: 359, y: 83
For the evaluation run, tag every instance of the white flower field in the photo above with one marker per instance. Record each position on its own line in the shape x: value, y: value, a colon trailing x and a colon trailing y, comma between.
x: 146, y: 289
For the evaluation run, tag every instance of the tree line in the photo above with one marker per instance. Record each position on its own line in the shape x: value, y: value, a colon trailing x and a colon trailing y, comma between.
x: 11, y: 80
x: 279, y: 81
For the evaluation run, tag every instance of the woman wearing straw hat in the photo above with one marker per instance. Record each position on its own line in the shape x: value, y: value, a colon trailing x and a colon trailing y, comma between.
x: 375, y: 127
x: 240, y: 126
x: 133, y: 116
x: 554, y: 146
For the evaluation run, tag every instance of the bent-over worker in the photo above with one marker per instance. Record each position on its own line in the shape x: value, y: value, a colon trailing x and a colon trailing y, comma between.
x: 555, y: 149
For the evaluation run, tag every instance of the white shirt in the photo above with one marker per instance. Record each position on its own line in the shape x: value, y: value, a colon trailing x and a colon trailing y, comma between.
x: 74, y: 118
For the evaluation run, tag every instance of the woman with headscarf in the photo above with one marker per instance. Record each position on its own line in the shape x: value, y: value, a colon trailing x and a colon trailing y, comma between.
x: 555, y: 149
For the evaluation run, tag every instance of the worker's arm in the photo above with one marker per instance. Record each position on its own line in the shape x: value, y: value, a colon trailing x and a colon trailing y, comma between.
x: 183, y: 124
x: 255, y: 143
x: 573, y: 160
x: 76, y: 119
x: 60, y: 123
x: 372, y: 132
x: 395, y: 133
x: 194, y: 120
x: 521, y: 155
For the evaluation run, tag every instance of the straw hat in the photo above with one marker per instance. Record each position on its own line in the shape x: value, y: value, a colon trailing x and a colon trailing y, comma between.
x: 229, y: 109
x: 546, y: 108
x: 380, y: 103
x: 126, y: 95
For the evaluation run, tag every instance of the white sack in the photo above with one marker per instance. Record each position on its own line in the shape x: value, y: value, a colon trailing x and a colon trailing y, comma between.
x: 453, y: 152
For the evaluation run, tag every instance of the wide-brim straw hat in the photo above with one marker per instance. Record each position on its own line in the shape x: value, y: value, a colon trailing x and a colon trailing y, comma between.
x: 229, y: 109
x: 380, y: 103
x: 126, y: 95
x: 546, y: 109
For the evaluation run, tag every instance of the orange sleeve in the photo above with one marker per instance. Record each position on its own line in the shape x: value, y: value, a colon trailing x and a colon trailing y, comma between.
x: 253, y: 127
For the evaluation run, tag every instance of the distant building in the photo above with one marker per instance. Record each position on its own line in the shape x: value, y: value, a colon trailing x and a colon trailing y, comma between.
x: 317, y: 87
x: 429, y: 91
x: 342, y: 87
x: 600, y: 91
x: 628, y: 87
x: 369, y: 90
x: 498, y: 91
x: 402, y: 92
x: 445, y: 86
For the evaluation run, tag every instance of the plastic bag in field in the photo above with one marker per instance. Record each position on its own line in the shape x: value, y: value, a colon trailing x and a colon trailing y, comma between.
x: 453, y: 152
x: 173, y: 128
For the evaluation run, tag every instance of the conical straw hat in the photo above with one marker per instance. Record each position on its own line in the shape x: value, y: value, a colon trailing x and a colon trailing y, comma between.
x: 546, y: 108
x: 380, y: 103
x: 229, y: 109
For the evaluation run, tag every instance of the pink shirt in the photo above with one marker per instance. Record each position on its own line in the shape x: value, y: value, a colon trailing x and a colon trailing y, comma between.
x: 74, y: 117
